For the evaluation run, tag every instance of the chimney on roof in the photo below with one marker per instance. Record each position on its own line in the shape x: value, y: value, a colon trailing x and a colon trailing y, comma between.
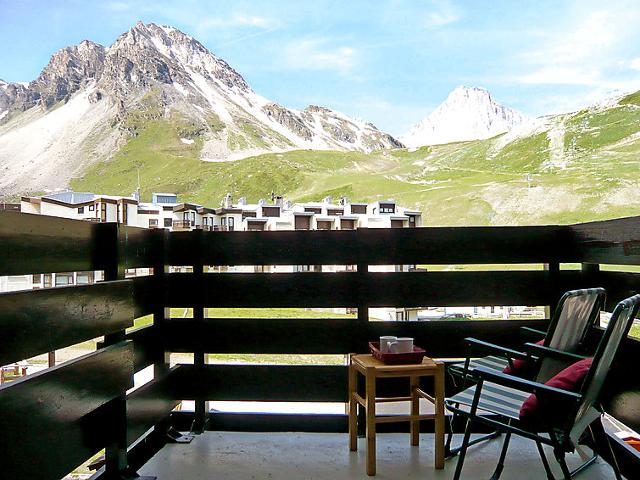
x: 327, y: 200
x: 228, y: 201
x: 344, y: 201
x: 278, y: 200
x: 288, y: 205
x: 242, y: 201
x: 262, y: 201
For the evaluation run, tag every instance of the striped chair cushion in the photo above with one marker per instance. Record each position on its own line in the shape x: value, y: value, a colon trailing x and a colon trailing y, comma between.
x: 492, y: 362
x: 494, y: 398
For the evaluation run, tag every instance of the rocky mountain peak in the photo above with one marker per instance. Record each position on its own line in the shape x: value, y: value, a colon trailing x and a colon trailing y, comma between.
x: 161, y: 50
x: 317, y: 109
x: 468, y: 113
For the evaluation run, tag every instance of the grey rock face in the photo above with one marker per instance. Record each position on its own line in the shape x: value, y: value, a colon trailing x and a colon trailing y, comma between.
x: 288, y: 119
x: 67, y: 72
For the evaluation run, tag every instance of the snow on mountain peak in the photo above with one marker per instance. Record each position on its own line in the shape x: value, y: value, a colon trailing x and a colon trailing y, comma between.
x: 468, y: 113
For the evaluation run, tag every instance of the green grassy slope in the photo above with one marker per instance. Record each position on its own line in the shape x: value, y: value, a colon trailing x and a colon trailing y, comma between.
x: 582, y: 166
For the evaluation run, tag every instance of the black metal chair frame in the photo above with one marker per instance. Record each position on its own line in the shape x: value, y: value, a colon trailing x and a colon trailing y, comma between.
x: 533, y: 354
x: 582, y: 407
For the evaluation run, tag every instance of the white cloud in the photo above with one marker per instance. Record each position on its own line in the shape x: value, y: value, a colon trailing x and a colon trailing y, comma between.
x: 586, y: 53
x: 560, y: 75
x: 235, y: 21
x: 634, y: 64
x: 318, y: 54
x: 444, y: 13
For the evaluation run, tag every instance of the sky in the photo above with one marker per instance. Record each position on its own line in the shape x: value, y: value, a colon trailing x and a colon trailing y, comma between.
x: 390, y: 62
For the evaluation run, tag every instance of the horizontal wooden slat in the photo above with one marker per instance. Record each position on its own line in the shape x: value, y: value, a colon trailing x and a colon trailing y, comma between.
x: 612, y: 241
x: 441, y: 338
x: 450, y: 245
x: 48, y: 419
x: 619, y: 285
x: 140, y: 247
x: 373, y: 289
x: 433, y: 245
x: 40, y: 321
x: 42, y: 244
x: 259, y: 382
x: 147, y: 406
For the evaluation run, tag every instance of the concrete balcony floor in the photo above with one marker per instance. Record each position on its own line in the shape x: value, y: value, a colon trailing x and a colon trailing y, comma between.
x: 321, y: 456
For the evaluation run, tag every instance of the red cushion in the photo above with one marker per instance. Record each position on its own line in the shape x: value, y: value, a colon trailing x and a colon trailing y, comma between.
x: 519, y: 366
x: 568, y: 379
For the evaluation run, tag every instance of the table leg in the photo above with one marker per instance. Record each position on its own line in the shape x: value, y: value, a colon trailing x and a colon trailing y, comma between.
x: 371, y: 420
x: 353, y: 408
x: 439, y: 430
x: 414, y: 384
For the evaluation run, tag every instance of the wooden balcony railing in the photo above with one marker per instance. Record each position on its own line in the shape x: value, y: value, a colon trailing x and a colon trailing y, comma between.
x: 81, y: 406
x: 182, y: 224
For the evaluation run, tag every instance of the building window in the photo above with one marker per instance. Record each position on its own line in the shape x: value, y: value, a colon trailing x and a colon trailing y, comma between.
x: 230, y: 223
x: 92, y: 208
x: 270, y: 211
x: 387, y: 208
x: 167, y: 223
x: 80, y: 209
x: 153, y: 223
x: 359, y: 209
x: 46, y: 280
x: 301, y: 268
x: 83, y: 279
x: 64, y: 279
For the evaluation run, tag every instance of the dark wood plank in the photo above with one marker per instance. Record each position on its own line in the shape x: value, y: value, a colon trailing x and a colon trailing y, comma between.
x: 444, y: 338
x: 48, y: 420
x: 451, y: 245
x: 146, y: 342
x: 373, y: 289
x: 316, y: 383
x: 434, y: 245
x: 619, y: 285
x: 611, y: 241
x: 140, y: 247
x: 42, y: 244
x: 148, y: 294
x: 147, y: 406
x: 40, y: 321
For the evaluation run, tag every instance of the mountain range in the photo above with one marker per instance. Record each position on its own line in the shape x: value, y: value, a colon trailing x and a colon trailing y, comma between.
x: 90, y: 99
x: 156, y: 104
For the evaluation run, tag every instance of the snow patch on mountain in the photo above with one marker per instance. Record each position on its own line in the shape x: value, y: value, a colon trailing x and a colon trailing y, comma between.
x: 468, y: 113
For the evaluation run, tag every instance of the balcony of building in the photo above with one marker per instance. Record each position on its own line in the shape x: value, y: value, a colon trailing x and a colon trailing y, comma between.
x: 56, y: 419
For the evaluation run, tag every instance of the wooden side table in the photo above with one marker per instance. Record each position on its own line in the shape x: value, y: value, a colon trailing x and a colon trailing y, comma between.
x: 372, y: 369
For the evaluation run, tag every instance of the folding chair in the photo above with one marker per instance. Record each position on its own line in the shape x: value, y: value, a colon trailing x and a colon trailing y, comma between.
x: 565, y: 415
x: 576, y: 313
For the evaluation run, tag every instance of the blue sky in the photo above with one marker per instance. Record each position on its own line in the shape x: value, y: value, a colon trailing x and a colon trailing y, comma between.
x: 389, y: 62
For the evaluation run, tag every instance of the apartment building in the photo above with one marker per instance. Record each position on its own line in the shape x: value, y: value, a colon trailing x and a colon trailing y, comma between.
x: 164, y: 211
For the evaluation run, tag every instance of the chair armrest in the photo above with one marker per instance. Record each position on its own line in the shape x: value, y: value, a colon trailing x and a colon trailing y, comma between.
x: 525, y: 385
x: 542, y: 351
x: 528, y: 332
x: 475, y: 345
